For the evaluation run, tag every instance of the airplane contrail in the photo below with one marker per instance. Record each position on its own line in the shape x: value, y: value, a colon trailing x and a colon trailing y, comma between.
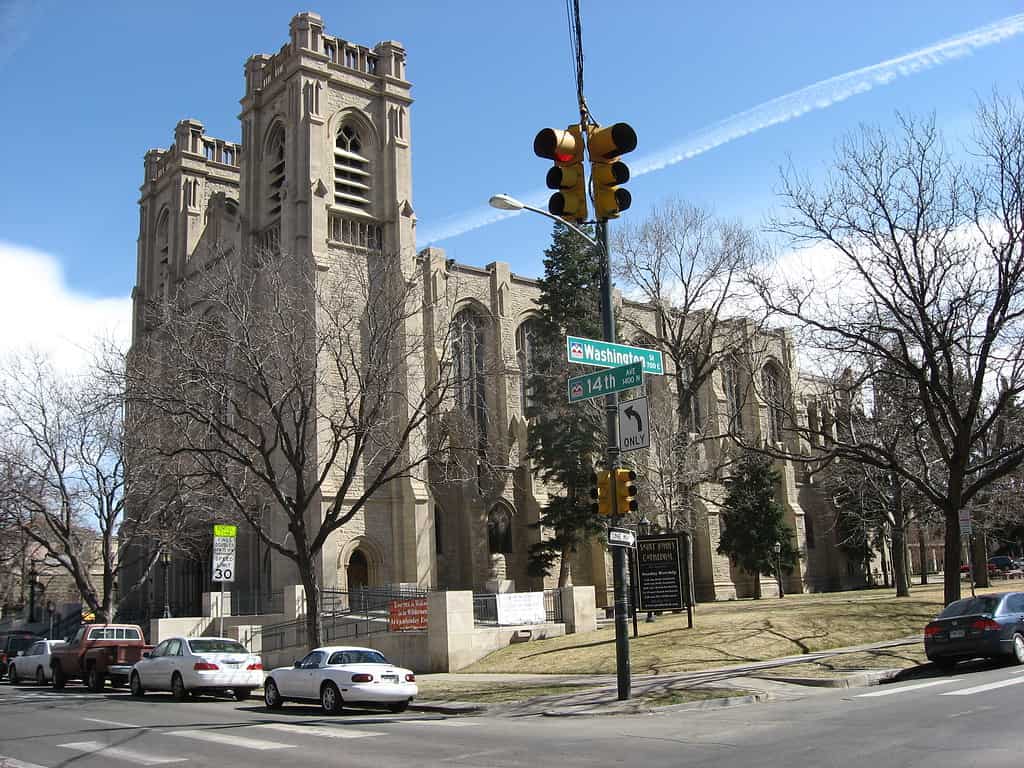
x: 817, y: 96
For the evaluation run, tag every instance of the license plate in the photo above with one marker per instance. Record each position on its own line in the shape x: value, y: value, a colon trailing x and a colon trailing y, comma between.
x: 955, y: 634
x: 389, y: 678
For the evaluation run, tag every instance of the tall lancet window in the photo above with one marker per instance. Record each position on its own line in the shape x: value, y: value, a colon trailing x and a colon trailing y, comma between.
x: 469, y: 370
x: 771, y: 385
x: 274, y: 169
x: 527, y: 353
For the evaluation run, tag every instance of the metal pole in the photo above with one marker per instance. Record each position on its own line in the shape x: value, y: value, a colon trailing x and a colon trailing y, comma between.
x: 221, y: 610
x: 611, y: 408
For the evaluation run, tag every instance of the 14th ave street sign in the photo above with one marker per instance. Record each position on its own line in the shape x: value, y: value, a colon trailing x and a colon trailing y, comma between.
x: 605, y: 354
x: 605, y: 382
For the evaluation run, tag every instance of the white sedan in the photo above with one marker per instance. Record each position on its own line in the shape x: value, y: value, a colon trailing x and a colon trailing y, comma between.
x: 33, y: 663
x: 184, y: 665
x: 339, y: 675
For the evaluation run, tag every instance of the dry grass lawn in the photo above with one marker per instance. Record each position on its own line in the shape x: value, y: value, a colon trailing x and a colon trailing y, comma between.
x: 734, y: 632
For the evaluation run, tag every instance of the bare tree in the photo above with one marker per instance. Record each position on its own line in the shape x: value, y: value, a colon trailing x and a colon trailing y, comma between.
x: 300, y: 392
x: 683, y: 270
x: 927, y: 288
x: 66, y: 461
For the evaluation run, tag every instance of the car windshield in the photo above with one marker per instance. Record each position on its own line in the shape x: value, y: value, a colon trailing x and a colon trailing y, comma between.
x: 971, y: 606
x: 216, y: 646
x: 20, y: 643
x: 357, y: 657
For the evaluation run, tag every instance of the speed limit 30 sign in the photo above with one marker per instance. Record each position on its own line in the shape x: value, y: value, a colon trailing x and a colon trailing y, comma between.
x: 224, y: 537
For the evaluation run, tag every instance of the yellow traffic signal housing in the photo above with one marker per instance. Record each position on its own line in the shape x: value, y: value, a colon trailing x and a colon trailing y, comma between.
x: 601, y: 492
x: 565, y: 148
x: 625, y: 491
x: 605, y: 146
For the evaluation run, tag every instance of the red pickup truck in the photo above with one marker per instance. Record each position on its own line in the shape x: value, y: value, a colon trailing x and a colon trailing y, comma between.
x: 96, y: 653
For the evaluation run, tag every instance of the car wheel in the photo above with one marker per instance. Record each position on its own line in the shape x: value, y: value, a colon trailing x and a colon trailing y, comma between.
x: 136, y: 686
x: 241, y: 694
x: 40, y: 676
x: 94, y: 680
x: 398, y: 706
x: 59, y: 679
x: 12, y: 675
x: 178, y: 689
x: 272, y: 696
x: 1018, y: 649
x: 330, y: 698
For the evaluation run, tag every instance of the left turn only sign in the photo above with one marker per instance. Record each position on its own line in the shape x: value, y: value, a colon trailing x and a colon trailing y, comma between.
x: 224, y: 537
x: 634, y: 426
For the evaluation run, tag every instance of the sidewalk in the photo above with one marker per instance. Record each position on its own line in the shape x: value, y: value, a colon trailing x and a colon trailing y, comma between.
x: 598, y: 693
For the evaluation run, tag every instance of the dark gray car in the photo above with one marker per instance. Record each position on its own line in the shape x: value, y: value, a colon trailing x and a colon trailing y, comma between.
x: 990, y: 626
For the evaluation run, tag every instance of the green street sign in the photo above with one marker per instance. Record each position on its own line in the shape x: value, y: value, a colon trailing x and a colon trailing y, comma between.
x: 605, y: 354
x: 605, y: 382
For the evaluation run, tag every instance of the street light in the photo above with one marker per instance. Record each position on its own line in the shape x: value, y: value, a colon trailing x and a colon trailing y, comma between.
x: 32, y: 574
x: 165, y: 562
x: 505, y: 202
x: 620, y: 574
x: 777, y: 549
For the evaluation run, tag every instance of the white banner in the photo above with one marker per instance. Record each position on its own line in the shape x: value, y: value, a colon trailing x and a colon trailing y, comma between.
x: 521, y: 608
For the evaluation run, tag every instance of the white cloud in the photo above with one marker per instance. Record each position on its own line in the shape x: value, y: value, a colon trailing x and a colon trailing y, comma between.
x: 38, y: 310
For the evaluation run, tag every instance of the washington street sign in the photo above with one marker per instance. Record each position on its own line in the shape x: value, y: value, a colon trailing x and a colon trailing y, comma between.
x: 605, y: 382
x: 605, y: 354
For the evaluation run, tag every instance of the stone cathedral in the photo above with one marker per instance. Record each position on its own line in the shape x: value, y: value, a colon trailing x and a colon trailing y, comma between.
x: 324, y: 172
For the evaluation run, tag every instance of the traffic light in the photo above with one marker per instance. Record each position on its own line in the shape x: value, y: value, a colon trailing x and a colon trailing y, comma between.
x: 607, y: 172
x: 625, y: 491
x: 565, y: 148
x: 601, y: 492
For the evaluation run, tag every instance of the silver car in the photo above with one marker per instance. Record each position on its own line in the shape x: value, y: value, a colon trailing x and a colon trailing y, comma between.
x: 33, y: 663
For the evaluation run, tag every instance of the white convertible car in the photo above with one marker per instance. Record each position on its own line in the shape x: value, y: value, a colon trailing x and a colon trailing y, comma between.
x: 340, y: 675
x: 195, y: 665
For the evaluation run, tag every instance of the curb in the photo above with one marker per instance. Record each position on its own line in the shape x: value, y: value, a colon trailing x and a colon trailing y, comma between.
x: 447, y: 707
x: 693, y: 706
x: 859, y: 680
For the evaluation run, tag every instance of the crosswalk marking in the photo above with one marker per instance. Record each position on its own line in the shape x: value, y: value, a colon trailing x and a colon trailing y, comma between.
x: 120, y: 753
x: 902, y: 689
x: 985, y: 687
x: 313, y: 730
x: 218, y: 737
x: 10, y: 762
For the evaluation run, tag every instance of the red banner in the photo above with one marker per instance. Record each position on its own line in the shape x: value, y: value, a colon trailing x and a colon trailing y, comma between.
x: 404, y: 615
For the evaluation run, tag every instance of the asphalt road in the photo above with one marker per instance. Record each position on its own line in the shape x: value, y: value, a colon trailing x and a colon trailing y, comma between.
x: 970, y: 718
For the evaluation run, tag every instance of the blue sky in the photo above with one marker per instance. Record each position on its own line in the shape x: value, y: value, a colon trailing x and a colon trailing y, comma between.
x: 87, y: 88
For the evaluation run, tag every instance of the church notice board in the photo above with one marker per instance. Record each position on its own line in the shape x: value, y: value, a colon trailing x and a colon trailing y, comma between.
x: 409, y: 614
x: 660, y: 574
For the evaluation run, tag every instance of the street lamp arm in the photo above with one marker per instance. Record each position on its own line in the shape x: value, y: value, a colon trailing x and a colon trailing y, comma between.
x: 509, y: 203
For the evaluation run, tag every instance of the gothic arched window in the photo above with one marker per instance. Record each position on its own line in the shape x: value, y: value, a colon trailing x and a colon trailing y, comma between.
x: 351, y: 170
x: 732, y: 385
x: 771, y: 386
x: 469, y: 382
x: 274, y: 169
x: 499, y: 530
x: 163, y: 253
x: 686, y: 375
x: 526, y: 352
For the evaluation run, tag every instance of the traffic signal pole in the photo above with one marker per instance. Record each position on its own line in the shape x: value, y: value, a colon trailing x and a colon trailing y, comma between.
x: 611, y: 409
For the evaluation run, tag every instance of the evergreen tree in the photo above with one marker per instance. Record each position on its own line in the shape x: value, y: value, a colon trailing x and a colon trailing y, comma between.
x: 752, y: 521
x: 565, y: 440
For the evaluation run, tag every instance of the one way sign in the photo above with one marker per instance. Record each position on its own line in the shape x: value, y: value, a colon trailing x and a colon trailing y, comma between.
x: 634, y: 430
